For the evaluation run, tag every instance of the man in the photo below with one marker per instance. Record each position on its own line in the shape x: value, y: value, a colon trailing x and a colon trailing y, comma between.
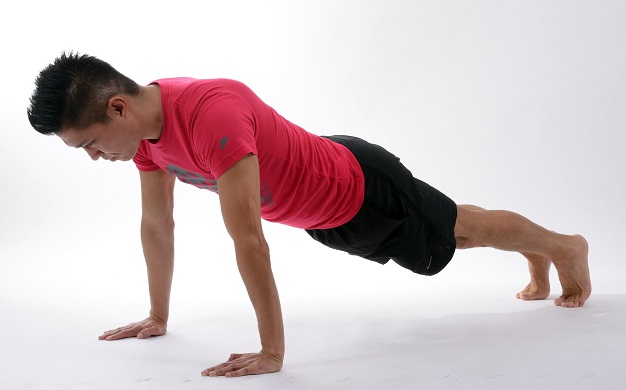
x: 347, y: 193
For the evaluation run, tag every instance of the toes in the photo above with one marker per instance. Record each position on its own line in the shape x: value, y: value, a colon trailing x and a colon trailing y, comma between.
x: 528, y: 296
x: 533, y: 295
x: 569, y: 301
x: 524, y: 293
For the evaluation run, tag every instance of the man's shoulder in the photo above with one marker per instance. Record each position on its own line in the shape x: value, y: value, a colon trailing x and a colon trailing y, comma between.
x: 190, y: 92
x: 194, y: 83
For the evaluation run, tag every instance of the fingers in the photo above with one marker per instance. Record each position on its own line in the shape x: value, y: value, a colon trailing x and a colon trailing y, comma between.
x: 117, y: 333
x: 244, y: 364
x: 144, y: 329
x: 213, y: 369
x: 241, y: 372
x: 154, y: 330
x: 220, y: 367
x: 225, y: 369
x: 234, y: 356
x: 120, y: 333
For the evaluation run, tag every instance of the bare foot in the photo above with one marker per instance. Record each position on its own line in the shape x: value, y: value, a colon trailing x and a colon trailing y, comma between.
x: 573, y: 270
x: 539, y: 286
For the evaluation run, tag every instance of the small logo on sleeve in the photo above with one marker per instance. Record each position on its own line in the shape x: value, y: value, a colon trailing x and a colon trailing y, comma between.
x: 223, y: 142
x: 266, y: 195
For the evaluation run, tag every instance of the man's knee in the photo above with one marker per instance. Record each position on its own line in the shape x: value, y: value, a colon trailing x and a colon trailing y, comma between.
x: 462, y: 242
x: 467, y: 226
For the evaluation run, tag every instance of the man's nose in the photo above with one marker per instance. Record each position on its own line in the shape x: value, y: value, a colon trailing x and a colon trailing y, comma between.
x: 93, y: 153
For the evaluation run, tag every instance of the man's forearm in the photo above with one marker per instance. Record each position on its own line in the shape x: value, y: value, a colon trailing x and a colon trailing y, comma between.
x: 158, y: 250
x: 253, y: 261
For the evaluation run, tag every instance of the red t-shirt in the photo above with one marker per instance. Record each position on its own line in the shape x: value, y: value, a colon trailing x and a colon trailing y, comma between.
x: 307, y: 181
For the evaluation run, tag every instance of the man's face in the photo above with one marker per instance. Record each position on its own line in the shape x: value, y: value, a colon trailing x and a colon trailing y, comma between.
x: 112, y: 141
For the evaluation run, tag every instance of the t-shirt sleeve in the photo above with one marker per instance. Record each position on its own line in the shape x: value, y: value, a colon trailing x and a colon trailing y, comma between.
x: 224, y: 131
x: 142, y: 161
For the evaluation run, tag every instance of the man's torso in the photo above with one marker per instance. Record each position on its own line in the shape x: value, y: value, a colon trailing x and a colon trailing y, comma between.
x: 306, y: 181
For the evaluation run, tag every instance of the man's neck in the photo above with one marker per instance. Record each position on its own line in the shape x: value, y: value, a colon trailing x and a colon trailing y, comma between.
x: 152, y: 113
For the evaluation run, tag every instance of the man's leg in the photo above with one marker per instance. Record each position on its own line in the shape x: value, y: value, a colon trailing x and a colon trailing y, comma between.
x: 539, y: 285
x: 505, y: 230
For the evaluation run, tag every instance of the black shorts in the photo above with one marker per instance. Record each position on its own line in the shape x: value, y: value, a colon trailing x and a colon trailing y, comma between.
x: 402, y: 218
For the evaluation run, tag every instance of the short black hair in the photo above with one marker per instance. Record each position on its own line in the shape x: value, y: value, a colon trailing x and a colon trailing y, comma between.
x: 73, y: 92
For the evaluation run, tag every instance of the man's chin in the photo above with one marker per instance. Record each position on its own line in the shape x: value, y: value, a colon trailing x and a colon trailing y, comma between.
x: 118, y: 158
x: 123, y: 157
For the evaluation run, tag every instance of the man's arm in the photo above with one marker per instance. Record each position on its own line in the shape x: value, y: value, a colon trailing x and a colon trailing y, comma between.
x: 157, y: 238
x: 239, y: 191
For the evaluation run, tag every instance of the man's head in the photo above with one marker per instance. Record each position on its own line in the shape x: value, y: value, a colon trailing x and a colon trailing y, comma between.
x: 73, y: 92
x: 90, y: 105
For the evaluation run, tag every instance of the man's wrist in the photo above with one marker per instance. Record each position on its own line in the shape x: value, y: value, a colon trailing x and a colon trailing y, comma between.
x: 272, y: 356
x: 160, y: 318
x: 275, y: 350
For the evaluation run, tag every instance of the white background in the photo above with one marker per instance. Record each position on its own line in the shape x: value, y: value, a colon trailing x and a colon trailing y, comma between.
x: 516, y: 105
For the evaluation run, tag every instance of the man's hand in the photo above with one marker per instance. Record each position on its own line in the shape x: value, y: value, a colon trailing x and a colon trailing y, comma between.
x: 246, y: 364
x: 149, y: 327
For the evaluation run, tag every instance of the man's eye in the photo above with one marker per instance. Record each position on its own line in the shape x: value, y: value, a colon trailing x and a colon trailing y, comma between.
x: 90, y: 144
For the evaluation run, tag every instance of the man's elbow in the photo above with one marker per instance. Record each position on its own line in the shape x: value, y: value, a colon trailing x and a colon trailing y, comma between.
x: 252, y: 246
x: 163, y: 225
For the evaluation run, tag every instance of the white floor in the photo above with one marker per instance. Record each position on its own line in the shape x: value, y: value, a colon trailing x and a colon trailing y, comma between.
x: 484, y: 339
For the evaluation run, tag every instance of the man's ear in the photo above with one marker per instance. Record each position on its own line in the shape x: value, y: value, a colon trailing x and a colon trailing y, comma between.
x: 117, y: 106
